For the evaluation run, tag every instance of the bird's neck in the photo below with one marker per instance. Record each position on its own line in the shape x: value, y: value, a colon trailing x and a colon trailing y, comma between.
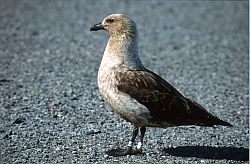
x: 122, y: 51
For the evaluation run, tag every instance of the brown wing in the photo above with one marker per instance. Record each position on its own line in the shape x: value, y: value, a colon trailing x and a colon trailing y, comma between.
x: 164, y: 102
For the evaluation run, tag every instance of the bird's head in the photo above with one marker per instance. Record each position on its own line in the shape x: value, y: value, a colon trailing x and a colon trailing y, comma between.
x: 116, y: 25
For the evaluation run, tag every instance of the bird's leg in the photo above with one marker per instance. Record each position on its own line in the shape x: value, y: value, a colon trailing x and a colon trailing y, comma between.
x: 129, y: 150
x: 140, y: 143
x: 131, y: 142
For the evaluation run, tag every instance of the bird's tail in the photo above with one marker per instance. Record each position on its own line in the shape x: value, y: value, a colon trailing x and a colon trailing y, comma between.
x: 203, y: 118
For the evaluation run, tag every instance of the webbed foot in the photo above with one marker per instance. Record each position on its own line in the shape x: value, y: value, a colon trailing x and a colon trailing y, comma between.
x: 123, y: 152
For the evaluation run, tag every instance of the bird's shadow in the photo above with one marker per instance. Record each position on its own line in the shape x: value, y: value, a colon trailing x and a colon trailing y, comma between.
x: 208, y: 152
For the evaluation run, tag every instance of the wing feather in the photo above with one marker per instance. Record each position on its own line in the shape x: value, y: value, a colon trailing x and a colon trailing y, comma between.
x: 163, y: 101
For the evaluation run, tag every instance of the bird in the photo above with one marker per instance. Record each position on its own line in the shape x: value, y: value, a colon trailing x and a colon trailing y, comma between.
x: 137, y: 94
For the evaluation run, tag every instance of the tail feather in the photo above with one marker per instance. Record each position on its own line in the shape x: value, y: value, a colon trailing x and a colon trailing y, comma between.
x: 202, y: 117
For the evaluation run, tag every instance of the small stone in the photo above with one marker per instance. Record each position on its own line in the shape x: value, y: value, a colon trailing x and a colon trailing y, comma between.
x: 19, y: 120
x: 57, y: 148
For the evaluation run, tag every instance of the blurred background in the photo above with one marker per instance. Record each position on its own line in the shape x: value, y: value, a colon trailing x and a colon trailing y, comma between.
x: 50, y: 107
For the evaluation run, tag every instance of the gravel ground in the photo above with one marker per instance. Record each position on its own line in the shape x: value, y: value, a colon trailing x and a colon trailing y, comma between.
x: 50, y: 107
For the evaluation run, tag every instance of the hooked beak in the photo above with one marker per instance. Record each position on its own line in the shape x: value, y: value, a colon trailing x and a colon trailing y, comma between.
x: 97, y: 27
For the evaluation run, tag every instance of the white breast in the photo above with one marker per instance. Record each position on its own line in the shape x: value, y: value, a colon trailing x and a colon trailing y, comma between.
x: 120, y: 102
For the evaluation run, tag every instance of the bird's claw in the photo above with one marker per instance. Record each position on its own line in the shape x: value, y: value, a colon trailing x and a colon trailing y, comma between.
x: 124, y: 152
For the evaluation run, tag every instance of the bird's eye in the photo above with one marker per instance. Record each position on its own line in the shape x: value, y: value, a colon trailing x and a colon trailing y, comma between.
x: 111, y: 20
